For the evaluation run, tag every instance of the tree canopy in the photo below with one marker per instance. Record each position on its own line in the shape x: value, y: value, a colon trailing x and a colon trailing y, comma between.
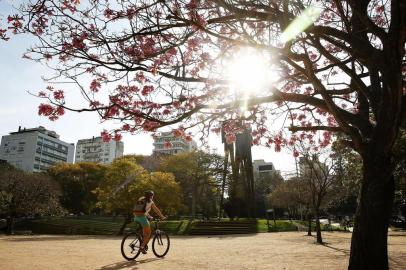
x: 163, y: 62
x: 126, y: 181
x: 77, y: 181
x: 336, y: 66
x: 23, y: 194
x: 199, y: 175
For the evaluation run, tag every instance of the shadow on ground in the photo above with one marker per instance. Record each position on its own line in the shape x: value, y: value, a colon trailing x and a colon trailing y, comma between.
x: 126, y: 265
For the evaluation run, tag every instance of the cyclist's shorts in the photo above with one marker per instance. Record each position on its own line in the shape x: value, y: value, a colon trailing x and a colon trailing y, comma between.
x: 142, y: 220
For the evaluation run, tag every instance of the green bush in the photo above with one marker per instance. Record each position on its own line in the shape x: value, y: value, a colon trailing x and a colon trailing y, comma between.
x: 86, y: 225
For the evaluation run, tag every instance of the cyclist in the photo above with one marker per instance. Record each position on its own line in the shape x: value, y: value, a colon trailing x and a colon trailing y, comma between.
x: 141, y: 215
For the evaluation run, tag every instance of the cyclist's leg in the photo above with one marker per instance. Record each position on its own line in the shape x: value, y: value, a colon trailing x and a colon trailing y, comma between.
x: 146, y: 229
x: 147, y: 235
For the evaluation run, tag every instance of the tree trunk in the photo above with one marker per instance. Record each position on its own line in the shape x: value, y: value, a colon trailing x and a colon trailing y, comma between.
x: 318, y: 228
x: 223, y: 184
x: 309, y: 228
x: 10, y: 225
x: 127, y: 220
x: 249, y: 178
x: 193, y: 214
x: 369, y: 238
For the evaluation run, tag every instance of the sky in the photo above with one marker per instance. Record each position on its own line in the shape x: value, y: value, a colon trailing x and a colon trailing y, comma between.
x: 18, y: 107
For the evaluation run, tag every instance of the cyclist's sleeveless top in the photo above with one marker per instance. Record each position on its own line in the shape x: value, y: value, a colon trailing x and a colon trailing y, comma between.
x: 148, y: 207
x: 142, y: 207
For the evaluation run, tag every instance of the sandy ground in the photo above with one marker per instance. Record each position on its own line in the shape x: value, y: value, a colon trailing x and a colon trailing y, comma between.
x: 290, y: 250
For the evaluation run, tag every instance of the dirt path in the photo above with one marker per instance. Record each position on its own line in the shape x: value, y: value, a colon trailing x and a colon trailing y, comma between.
x: 290, y: 250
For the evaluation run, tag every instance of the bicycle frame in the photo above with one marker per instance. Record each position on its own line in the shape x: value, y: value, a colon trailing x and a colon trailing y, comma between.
x: 159, y: 238
x: 156, y: 230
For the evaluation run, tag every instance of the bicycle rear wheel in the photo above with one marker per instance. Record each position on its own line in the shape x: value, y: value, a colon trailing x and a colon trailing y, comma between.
x: 130, y: 246
x: 160, y: 244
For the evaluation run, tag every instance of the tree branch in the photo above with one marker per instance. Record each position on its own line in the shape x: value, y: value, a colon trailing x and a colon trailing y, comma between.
x: 315, y: 128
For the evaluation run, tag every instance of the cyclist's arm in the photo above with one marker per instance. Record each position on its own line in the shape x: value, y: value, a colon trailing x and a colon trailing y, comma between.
x: 156, y: 209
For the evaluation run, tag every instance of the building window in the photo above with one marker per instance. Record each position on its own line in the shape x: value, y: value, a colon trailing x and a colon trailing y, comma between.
x: 265, y: 168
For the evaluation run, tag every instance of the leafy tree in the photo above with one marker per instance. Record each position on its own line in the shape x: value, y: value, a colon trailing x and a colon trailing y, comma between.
x: 290, y: 194
x: 264, y: 185
x: 348, y: 170
x: 293, y: 195
x: 77, y: 181
x: 199, y: 175
x: 150, y: 163
x: 168, y: 195
x: 24, y: 194
x: 125, y: 181
x: 339, y: 72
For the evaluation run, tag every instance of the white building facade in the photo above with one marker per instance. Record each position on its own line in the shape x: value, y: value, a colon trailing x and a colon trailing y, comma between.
x: 96, y: 150
x: 176, y: 144
x: 35, y: 149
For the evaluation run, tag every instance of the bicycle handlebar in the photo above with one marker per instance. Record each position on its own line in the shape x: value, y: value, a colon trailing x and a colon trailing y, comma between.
x: 157, y: 219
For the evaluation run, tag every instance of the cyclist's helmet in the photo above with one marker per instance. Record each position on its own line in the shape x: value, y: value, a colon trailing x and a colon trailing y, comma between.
x: 148, y: 194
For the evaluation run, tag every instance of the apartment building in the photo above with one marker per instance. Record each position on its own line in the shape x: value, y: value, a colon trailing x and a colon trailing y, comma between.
x: 35, y: 149
x: 167, y: 143
x: 96, y: 150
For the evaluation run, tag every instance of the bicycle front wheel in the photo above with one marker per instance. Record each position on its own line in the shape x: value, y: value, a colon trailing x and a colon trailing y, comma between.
x: 130, y: 246
x: 160, y: 244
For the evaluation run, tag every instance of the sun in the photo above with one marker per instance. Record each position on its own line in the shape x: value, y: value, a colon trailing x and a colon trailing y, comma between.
x: 250, y: 72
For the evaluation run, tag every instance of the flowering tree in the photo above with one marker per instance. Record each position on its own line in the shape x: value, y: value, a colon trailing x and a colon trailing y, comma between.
x: 337, y: 67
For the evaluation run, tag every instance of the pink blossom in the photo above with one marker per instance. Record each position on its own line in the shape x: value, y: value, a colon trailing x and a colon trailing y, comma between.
x: 58, y: 95
x: 177, y: 132
x: 95, y: 86
x: 126, y: 127
x: 230, y: 138
x: 147, y: 89
x: 45, y: 109
x: 117, y: 137
x: 167, y: 144
x: 105, y: 136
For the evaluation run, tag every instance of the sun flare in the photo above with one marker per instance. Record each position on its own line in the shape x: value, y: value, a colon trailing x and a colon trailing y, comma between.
x: 249, y: 72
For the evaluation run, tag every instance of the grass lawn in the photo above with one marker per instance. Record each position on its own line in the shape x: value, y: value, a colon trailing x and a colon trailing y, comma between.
x: 281, y: 226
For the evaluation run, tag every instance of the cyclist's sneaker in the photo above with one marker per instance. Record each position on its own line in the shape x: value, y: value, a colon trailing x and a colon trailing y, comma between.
x: 143, y: 250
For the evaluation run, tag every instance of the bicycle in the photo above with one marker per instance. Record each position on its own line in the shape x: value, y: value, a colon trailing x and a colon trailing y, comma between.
x: 130, y: 245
